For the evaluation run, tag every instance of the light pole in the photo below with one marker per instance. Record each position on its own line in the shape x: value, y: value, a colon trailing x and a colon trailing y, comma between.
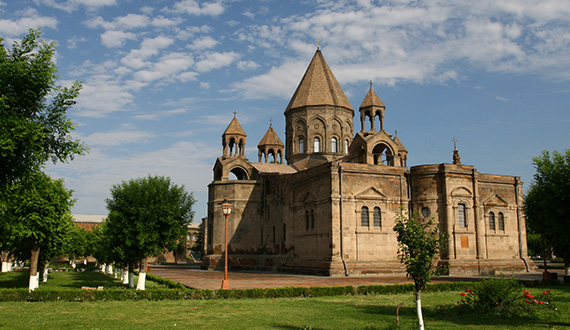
x: 226, y: 210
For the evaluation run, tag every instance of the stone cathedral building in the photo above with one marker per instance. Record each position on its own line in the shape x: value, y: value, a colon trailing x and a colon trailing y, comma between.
x: 324, y: 202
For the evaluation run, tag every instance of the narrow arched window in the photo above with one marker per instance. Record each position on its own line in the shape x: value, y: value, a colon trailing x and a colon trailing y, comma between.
x: 284, y: 232
x: 377, y: 217
x: 312, y: 219
x: 491, y: 221
x: 317, y: 144
x: 364, y: 219
x: 301, y: 145
x: 501, y: 221
x: 461, y: 215
x: 334, y: 147
x: 345, y: 146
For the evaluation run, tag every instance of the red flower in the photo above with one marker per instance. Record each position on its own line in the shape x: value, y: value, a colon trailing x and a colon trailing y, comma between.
x: 463, y: 294
x: 541, y: 302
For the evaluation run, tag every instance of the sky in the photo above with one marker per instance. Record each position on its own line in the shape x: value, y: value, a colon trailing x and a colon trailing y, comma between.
x: 162, y: 79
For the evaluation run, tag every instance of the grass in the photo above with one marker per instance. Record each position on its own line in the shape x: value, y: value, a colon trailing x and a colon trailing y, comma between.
x: 66, y: 280
x: 338, y: 312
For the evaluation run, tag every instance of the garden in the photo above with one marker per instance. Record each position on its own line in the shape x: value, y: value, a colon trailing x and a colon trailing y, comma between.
x: 494, y: 303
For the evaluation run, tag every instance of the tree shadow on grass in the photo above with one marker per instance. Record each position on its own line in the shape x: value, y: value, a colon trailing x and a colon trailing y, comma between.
x: 14, y: 280
x: 90, y: 279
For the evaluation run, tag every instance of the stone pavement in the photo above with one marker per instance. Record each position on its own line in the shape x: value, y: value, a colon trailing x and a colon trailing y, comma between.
x: 194, y: 277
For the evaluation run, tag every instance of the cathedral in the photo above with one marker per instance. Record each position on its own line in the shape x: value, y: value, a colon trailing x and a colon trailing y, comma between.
x: 324, y: 202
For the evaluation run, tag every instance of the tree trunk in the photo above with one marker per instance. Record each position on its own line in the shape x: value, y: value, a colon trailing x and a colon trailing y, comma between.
x: 131, y: 275
x: 566, y: 266
x: 142, y: 274
x: 125, y: 275
x: 45, y: 272
x: 6, y: 261
x: 419, y: 309
x: 34, y: 278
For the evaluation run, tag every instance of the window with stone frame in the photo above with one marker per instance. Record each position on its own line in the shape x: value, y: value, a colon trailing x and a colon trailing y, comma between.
x: 301, y: 145
x: 317, y: 144
x: 334, y: 144
x: 284, y: 232
x: 377, y: 217
x: 461, y: 215
x: 501, y: 221
x: 312, y: 219
x: 491, y: 221
x: 364, y: 217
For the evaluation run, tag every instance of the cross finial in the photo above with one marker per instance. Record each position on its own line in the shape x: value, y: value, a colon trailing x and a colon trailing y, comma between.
x: 396, y: 132
x: 370, y: 82
x: 318, y: 43
x: 454, y: 143
x: 270, y: 121
x: 235, y: 113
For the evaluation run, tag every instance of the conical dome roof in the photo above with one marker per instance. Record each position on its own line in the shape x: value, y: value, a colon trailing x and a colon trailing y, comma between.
x: 371, y: 99
x: 234, y: 128
x: 318, y: 87
x: 270, y: 139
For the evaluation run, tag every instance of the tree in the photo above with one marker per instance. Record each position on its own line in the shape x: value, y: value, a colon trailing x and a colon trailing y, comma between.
x: 34, y: 127
x: 148, y: 215
x: 547, y: 202
x: 418, y: 243
x: 38, y: 208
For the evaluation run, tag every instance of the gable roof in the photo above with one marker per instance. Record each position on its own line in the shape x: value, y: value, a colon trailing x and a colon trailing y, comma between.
x: 271, y: 168
x: 318, y: 87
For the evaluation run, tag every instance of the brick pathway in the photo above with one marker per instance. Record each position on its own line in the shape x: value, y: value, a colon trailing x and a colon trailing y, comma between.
x: 194, y: 277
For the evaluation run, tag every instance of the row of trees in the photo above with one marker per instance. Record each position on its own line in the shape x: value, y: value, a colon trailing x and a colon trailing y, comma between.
x: 147, y: 216
x: 35, y: 216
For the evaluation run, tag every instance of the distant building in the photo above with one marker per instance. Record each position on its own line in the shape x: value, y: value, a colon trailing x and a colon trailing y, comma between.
x: 330, y: 210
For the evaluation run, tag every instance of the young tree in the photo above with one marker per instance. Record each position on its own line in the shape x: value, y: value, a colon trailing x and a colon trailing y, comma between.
x: 148, y: 215
x: 418, y: 243
x: 34, y: 127
x: 547, y: 203
x: 39, y: 209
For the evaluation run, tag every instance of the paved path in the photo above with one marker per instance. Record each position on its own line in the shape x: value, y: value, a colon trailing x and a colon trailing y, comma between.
x: 194, y: 277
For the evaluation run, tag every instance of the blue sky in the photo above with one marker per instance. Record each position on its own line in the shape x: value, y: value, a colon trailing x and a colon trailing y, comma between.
x: 163, y: 78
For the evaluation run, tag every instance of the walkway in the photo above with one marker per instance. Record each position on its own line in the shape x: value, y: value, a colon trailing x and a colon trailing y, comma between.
x: 194, y: 277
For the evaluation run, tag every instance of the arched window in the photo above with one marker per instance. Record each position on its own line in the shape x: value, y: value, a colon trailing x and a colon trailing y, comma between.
x: 284, y: 232
x: 377, y: 217
x: 317, y: 144
x: 364, y: 220
x: 501, y: 221
x: 301, y: 145
x: 491, y: 221
x: 346, y: 146
x: 334, y: 147
x: 461, y: 215
x: 312, y: 219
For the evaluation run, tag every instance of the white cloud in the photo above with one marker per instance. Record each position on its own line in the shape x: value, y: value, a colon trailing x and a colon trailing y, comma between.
x: 117, y: 138
x: 102, y: 95
x: 72, y: 5
x: 160, y: 114
x: 28, y: 19
x: 113, y: 39
x: 247, y: 65
x: 216, y: 60
x: 127, y: 22
x: 192, y: 7
x: 166, y: 66
x: 202, y: 43
x: 149, y: 47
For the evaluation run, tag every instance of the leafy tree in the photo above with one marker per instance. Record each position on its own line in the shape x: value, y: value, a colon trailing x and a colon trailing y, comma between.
x: 547, y: 203
x: 418, y: 243
x: 147, y: 216
x: 34, y: 127
x: 38, y: 209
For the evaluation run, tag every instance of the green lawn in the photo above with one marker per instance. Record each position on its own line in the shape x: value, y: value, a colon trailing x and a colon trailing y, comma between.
x: 339, y: 312
x: 66, y: 279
